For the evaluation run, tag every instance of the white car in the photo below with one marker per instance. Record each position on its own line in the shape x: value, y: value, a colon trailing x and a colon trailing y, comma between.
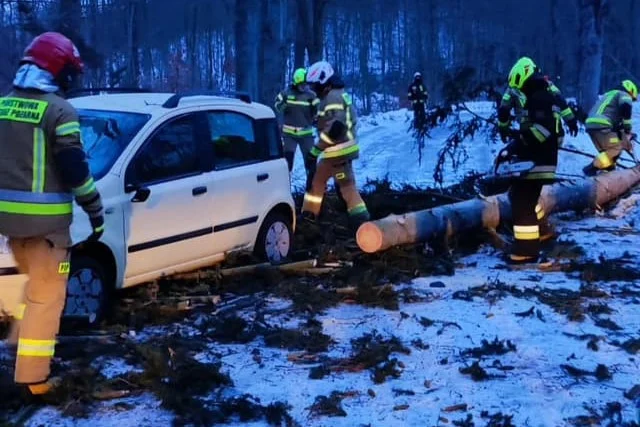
x: 185, y: 180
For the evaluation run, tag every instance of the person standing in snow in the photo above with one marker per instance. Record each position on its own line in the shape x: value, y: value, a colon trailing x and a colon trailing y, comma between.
x: 538, y: 142
x: 418, y: 96
x: 43, y: 168
x: 514, y: 99
x: 298, y: 106
x: 336, y: 146
x: 609, y: 127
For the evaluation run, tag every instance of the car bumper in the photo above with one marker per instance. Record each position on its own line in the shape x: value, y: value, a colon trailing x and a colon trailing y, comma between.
x: 11, y: 285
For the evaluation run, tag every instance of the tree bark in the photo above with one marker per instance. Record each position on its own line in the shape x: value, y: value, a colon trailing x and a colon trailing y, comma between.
x: 247, y: 34
x: 592, y: 14
x: 273, y: 54
x: 441, y: 223
x: 133, y: 69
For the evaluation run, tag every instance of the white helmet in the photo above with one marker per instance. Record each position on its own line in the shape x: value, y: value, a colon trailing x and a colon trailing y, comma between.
x: 319, y: 72
x: 417, y: 74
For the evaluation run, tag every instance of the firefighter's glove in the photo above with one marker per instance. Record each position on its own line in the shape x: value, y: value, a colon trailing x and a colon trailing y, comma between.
x: 337, y: 130
x: 573, y: 127
x: 508, y: 152
x: 97, y: 226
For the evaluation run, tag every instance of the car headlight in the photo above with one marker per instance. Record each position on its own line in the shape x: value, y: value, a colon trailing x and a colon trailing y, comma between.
x: 4, y: 245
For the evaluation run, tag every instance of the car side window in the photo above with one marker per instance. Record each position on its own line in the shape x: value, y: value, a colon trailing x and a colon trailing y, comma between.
x: 267, y: 131
x: 172, y: 152
x: 233, y: 139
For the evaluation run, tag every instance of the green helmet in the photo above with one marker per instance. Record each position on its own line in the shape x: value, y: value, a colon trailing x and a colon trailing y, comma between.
x: 631, y: 88
x: 299, y: 76
x: 521, y: 71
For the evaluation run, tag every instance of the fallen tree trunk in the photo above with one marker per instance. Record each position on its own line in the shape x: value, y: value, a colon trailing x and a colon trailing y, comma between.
x: 472, y: 216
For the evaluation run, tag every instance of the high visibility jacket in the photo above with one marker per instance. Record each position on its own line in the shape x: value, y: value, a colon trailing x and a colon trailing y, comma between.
x: 539, y: 125
x: 612, y: 111
x: 514, y: 99
x: 337, y: 127
x: 42, y: 167
x: 417, y: 93
x: 298, y: 109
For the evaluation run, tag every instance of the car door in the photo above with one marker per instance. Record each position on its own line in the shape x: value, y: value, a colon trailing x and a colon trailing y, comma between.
x: 167, y: 223
x: 240, y: 179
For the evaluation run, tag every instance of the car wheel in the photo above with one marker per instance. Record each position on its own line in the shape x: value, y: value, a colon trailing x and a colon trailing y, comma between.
x: 88, y: 291
x: 275, y: 238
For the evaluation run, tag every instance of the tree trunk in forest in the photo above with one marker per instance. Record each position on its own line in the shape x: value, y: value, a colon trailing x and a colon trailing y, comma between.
x: 592, y: 14
x: 471, y: 216
x: 311, y: 14
x: 247, y: 34
x: 273, y: 55
x: 133, y: 65
x: 556, y: 24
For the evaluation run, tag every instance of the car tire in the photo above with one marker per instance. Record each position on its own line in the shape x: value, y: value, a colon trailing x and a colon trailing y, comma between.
x: 275, y: 238
x: 89, y: 292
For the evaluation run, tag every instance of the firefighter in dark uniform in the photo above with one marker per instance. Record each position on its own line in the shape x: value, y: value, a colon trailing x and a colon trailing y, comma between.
x: 298, y: 106
x: 514, y: 100
x: 418, y: 96
x: 42, y: 170
x: 336, y: 147
x: 538, y: 142
x: 609, y: 127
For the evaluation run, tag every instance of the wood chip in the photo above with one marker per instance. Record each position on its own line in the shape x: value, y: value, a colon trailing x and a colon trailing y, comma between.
x: 455, y: 408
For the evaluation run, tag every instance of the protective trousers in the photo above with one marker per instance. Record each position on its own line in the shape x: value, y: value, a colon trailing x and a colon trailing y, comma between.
x: 342, y: 173
x: 523, y: 197
x: 38, y: 317
x: 609, y: 146
x: 290, y: 143
x: 419, y: 115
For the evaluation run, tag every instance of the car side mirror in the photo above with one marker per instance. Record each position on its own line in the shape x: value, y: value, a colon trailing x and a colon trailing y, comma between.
x: 141, y: 195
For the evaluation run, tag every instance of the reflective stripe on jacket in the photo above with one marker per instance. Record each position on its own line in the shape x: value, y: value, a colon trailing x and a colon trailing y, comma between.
x: 336, y: 111
x: 42, y: 165
x: 417, y: 93
x: 298, y: 109
x: 612, y: 111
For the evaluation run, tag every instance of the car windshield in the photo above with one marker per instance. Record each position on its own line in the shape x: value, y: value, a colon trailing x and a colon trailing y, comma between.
x: 105, y: 135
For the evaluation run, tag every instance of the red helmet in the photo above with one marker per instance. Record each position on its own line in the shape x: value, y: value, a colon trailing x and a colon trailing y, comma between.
x: 55, y: 53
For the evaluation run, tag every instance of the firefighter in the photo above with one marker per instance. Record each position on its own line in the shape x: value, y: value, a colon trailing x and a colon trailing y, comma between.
x: 538, y: 142
x: 514, y: 99
x: 336, y: 146
x: 609, y: 126
x: 298, y: 106
x: 418, y: 96
x: 42, y: 169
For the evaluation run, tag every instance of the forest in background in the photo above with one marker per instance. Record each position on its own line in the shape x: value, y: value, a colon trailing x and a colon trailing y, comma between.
x: 253, y: 45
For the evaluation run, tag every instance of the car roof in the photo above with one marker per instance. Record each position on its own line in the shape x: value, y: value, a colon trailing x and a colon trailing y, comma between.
x: 151, y: 103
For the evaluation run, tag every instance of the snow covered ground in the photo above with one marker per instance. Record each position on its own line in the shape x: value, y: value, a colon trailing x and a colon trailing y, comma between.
x: 527, y: 382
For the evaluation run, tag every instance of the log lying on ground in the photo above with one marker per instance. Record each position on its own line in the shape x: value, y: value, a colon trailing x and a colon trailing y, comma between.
x: 472, y: 216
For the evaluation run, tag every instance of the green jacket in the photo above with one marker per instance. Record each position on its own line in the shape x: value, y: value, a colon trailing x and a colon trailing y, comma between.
x: 612, y: 111
x: 42, y: 167
x: 298, y: 109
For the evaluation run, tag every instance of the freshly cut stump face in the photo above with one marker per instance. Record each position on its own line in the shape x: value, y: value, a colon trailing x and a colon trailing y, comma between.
x: 369, y: 237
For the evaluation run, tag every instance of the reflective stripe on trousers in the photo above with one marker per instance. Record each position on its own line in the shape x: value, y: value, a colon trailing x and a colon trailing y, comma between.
x: 342, y: 172
x: 47, y: 268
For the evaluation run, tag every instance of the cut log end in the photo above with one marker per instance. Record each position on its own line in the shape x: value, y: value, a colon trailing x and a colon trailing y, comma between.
x: 369, y: 237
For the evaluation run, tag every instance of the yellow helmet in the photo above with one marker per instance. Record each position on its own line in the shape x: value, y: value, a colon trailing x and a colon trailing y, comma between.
x: 521, y: 71
x: 299, y: 76
x: 631, y: 88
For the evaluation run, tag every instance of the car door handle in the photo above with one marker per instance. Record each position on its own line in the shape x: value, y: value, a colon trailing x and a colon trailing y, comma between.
x: 199, y: 190
x: 262, y: 177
